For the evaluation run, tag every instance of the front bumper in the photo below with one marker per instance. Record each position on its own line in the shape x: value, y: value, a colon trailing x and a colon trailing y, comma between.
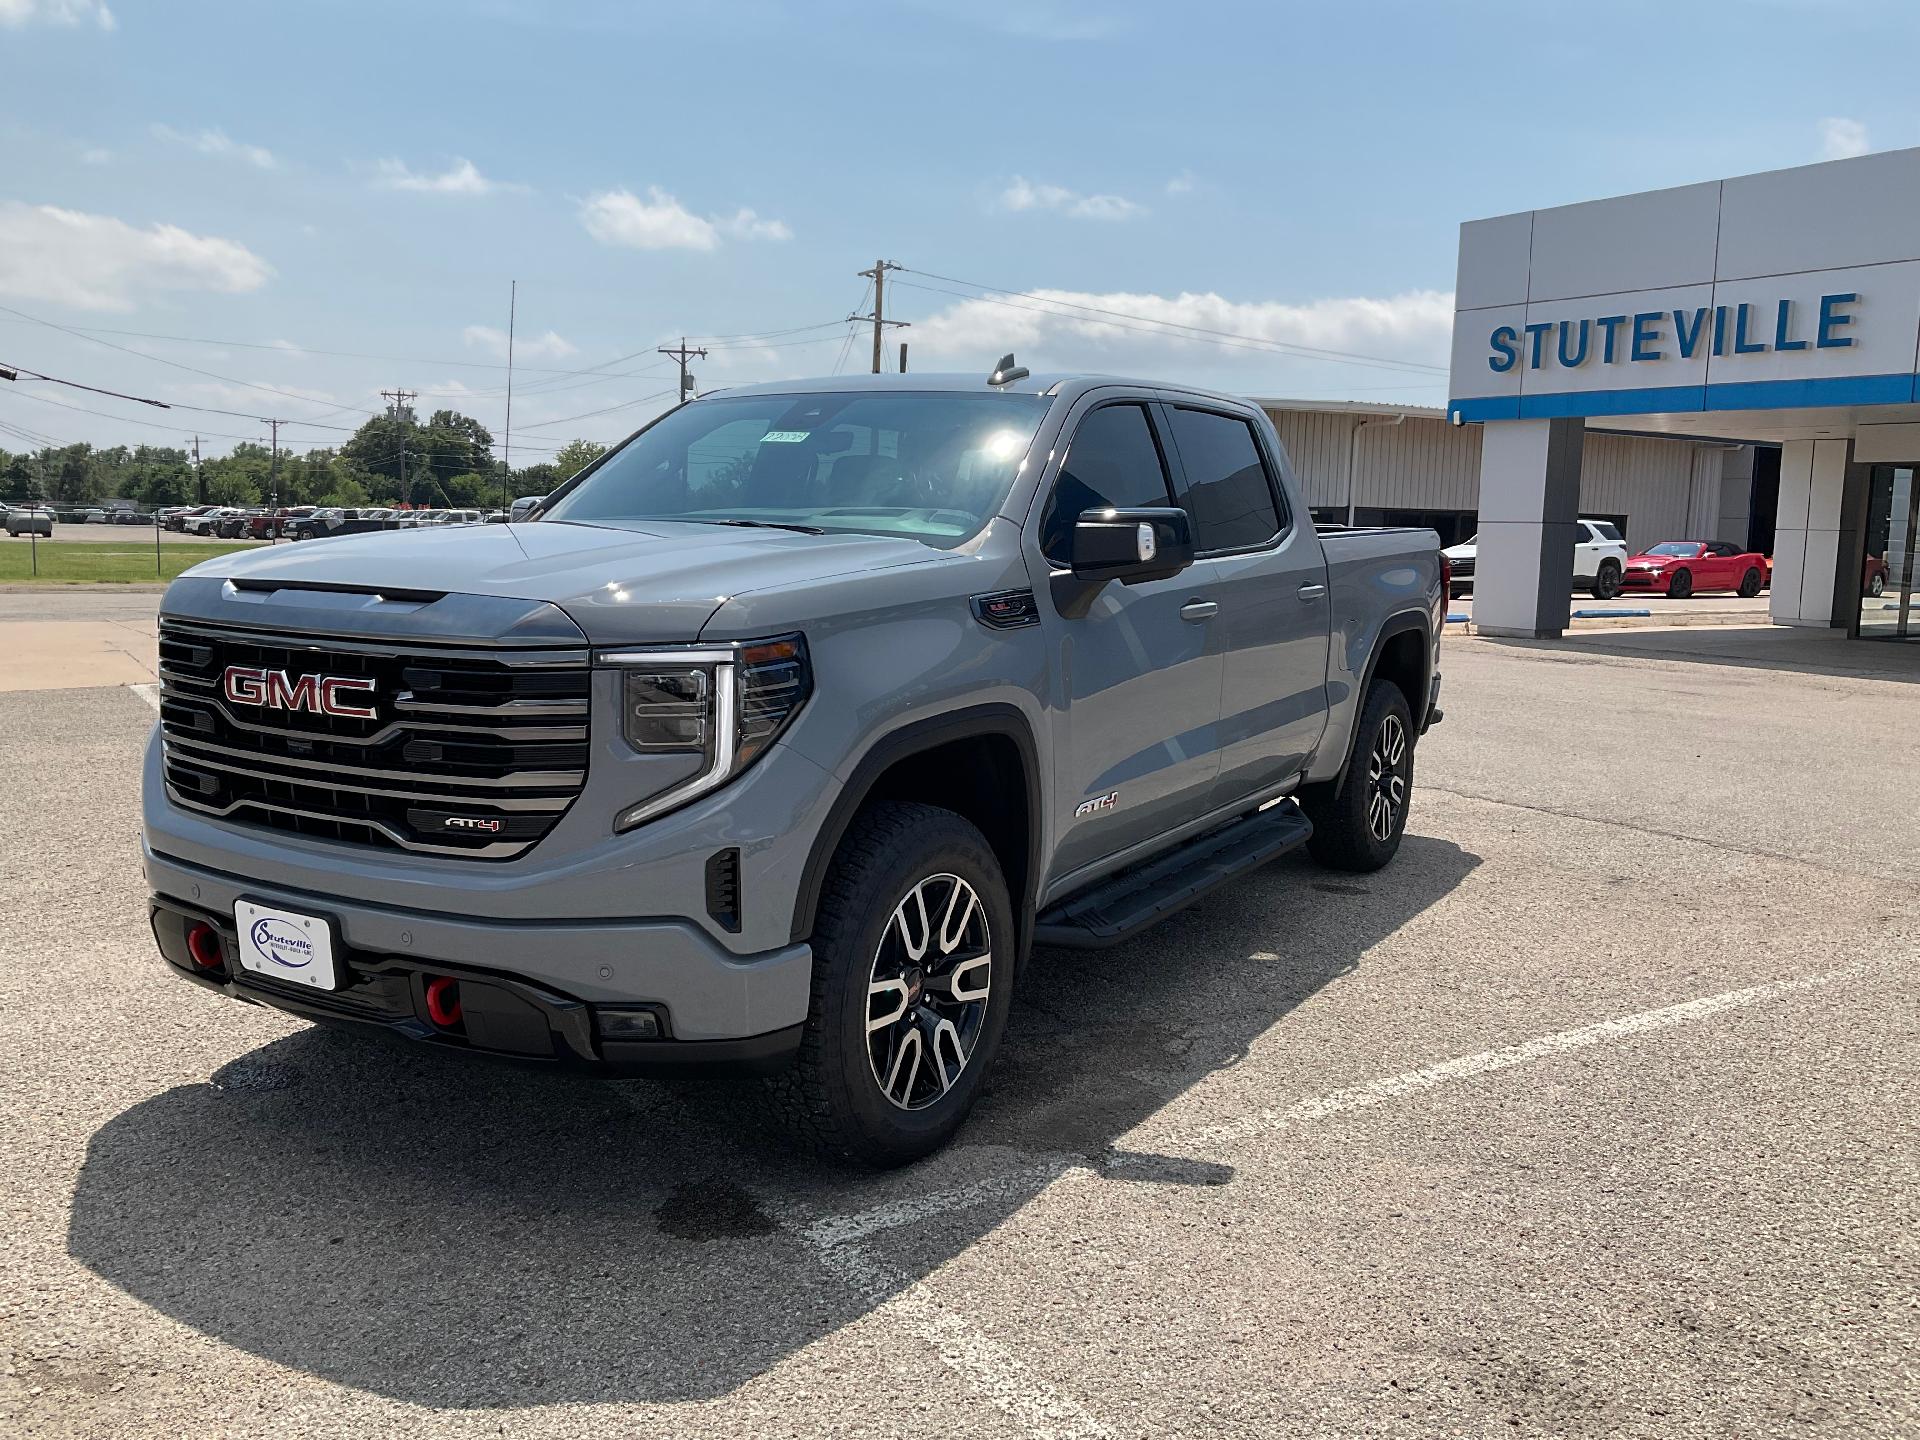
x: 1643, y: 580
x: 551, y: 977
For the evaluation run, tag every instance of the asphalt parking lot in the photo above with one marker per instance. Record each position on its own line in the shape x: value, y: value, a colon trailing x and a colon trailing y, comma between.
x: 1590, y: 1116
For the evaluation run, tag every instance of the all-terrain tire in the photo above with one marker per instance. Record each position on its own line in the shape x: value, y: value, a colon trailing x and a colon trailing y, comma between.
x: 1348, y: 833
x: 832, y: 1097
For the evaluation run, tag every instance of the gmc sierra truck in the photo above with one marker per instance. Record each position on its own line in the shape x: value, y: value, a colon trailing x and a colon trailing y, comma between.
x: 780, y: 735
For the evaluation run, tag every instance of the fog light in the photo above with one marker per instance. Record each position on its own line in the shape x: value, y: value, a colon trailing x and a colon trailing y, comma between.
x: 203, y: 944
x: 627, y: 1024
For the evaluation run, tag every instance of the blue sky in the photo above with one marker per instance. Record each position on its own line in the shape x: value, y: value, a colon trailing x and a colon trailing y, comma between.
x: 342, y: 176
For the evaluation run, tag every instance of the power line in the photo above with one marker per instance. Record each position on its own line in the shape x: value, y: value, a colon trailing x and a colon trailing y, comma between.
x: 590, y: 414
x: 1047, y: 304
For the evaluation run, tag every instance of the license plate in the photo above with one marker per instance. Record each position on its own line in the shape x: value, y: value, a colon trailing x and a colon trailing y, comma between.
x: 285, y: 944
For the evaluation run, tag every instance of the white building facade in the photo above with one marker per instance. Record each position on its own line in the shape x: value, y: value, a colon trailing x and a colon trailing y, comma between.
x: 1781, y: 308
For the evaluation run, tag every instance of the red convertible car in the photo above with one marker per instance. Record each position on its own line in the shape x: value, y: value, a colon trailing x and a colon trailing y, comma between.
x: 1684, y: 567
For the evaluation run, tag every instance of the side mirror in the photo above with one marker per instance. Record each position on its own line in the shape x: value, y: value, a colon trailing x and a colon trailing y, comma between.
x: 1131, y: 545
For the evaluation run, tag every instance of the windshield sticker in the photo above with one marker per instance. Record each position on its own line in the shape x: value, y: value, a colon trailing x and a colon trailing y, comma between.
x: 784, y: 437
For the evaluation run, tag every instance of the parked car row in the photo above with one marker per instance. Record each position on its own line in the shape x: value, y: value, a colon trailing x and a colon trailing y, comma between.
x: 96, y: 515
x: 338, y: 520
x: 1676, y: 568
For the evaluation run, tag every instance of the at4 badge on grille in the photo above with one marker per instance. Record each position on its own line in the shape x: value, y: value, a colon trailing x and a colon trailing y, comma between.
x: 279, y: 690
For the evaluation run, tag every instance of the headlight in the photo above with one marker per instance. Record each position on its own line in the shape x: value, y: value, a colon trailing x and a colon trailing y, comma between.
x: 724, y: 704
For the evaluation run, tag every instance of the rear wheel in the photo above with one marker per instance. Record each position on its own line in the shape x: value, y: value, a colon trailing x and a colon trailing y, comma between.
x: 1606, y: 584
x: 913, y: 959
x: 1750, y: 582
x: 1877, y: 586
x: 1681, y: 585
x: 1357, y: 825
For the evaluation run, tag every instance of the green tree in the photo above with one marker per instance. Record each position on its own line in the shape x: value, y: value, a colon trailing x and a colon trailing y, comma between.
x: 576, y: 455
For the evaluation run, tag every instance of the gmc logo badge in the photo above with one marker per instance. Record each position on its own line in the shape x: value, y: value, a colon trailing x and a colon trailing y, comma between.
x: 322, y: 694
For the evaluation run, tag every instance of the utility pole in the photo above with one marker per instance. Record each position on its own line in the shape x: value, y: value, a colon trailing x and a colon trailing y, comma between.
x: 399, y: 400
x: 878, y: 274
x: 683, y: 354
x: 273, y: 480
x: 199, y: 475
x: 506, y: 448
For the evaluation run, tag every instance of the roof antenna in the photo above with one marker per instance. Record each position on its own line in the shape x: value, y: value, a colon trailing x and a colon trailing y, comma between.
x: 1006, y: 372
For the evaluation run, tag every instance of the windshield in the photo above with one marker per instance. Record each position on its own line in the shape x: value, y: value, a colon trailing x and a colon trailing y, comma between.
x: 1673, y: 547
x: 928, y: 466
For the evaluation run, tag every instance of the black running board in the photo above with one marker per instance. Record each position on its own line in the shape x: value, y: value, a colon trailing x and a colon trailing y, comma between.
x: 1121, y: 906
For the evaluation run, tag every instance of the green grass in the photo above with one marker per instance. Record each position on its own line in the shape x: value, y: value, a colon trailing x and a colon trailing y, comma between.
x: 78, y: 562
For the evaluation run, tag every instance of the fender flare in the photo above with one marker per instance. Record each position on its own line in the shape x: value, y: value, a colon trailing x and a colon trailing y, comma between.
x: 899, y: 744
x: 1407, y: 621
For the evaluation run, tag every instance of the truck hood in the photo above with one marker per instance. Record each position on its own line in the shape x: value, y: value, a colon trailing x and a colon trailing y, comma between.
x: 630, y: 584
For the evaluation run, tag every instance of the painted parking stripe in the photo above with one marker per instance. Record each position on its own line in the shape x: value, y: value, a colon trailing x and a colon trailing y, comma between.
x: 148, y: 692
x: 1486, y: 1062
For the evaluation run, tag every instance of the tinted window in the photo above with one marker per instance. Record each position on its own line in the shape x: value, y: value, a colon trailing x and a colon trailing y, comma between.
x: 933, y: 467
x: 1111, y: 462
x: 1605, y: 530
x: 1227, y: 488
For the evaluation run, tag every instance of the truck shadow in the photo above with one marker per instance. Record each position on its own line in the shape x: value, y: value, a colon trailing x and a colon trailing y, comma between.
x: 456, y: 1235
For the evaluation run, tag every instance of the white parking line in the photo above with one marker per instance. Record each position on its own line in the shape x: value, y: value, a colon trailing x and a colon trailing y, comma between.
x: 148, y: 692
x: 1485, y: 1062
x: 1001, y: 1377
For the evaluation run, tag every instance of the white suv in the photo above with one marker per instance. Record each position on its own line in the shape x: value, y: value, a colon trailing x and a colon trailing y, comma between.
x: 1599, y: 559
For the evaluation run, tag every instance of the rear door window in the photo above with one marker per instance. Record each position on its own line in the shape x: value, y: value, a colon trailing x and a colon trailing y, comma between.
x: 1228, y: 489
x: 1113, y: 461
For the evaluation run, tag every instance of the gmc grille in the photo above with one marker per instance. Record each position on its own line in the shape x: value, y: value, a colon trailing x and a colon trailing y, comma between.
x: 476, y: 753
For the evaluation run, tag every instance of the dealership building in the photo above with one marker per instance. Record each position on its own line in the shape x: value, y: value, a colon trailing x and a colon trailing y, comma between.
x: 1367, y: 464
x: 1778, y: 311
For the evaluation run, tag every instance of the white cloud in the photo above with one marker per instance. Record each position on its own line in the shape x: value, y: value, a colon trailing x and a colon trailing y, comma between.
x: 56, y: 12
x: 537, y: 347
x: 1024, y: 194
x: 1414, y: 327
x: 1181, y: 184
x: 462, y: 177
x: 97, y: 262
x: 744, y: 224
x: 216, y: 143
x: 1841, y: 138
x: 660, y: 222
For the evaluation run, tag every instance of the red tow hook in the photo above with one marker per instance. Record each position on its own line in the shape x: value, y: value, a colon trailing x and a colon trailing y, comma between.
x: 203, y: 944
x: 443, y: 1001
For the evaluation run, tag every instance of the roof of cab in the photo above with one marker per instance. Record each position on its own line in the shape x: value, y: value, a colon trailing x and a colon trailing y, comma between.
x: 1052, y: 383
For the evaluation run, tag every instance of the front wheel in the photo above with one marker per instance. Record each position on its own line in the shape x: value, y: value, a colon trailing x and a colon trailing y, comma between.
x: 913, y: 961
x: 1358, y: 824
x: 1877, y: 586
x: 1606, y: 584
x: 1681, y: 585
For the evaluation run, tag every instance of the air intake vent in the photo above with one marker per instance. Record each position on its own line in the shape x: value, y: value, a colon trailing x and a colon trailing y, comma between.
x: 723, y: 888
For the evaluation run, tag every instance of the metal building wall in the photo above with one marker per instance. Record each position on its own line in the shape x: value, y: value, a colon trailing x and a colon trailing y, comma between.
x: 1316, y: 442
x: 1417, y: 464
x: 1667, y: 489
x: 1652, y: 482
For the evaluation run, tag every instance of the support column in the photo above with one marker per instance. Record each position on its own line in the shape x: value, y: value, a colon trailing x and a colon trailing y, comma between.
x: 1808, y: 533
x: 1529, y: 501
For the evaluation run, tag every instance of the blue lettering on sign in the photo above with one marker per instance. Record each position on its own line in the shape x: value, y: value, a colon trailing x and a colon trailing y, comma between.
x: 1538, y: 333
x: 1831, y: 320
x: 1644, y: 338
x: 1611, y: 324
x: 1645, y: 335
x: 1574, y: 362
x: 1783, y: 322
x: 1505, y: 356
x: 1689, y: 340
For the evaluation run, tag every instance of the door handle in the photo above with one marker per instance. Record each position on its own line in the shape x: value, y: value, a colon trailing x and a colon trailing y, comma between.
x: 1312, y: 590
x: 1198, y: 610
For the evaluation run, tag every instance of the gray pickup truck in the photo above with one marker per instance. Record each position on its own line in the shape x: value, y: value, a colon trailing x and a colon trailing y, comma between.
x: 783, y: 733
